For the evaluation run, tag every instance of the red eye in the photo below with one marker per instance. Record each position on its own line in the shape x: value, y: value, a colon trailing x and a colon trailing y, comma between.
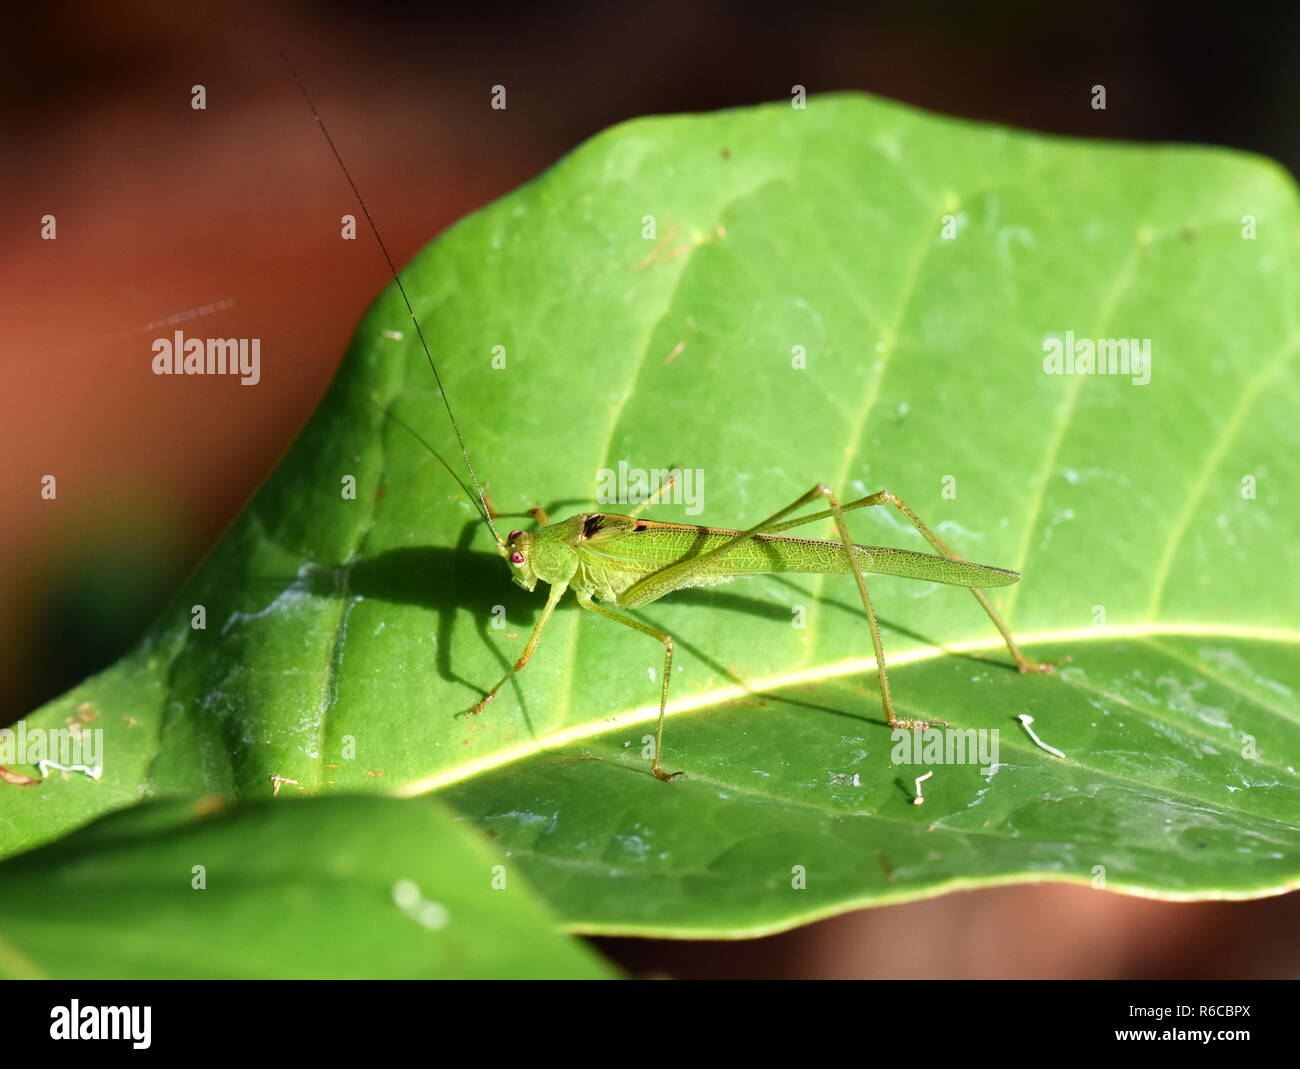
x: 513, y: 536
x: 516, y: 558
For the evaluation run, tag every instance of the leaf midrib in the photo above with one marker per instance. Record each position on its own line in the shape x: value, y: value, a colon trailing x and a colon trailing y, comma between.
x: 855, y: 666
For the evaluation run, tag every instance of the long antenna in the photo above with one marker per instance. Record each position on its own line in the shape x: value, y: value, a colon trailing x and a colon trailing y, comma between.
x: 473, y: 477
x: 388, y: 414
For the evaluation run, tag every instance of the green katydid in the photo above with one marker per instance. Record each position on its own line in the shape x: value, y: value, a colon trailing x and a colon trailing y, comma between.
x: 628, y: 562
x: 615, y: 561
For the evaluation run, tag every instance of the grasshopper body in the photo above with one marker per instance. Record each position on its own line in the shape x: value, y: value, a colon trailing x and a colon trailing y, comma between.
x: 604, y: 555
x: 626, y: 562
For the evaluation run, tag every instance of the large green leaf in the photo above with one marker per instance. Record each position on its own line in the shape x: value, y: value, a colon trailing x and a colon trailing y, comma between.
x: 332, y: 887
x: 920, y: 263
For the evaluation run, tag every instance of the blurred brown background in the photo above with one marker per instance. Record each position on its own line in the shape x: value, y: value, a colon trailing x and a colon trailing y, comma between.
x: 226, y: 219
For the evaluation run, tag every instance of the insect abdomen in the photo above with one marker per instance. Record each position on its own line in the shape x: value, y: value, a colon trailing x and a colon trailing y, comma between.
x: 785, y: 554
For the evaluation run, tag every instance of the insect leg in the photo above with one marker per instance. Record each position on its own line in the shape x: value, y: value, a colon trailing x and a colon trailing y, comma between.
x: 557, y: 590
x: 677, y: 575
x: 674, y: 576
x: 885, y: 497
x: 587, y: 603
x: 538, y: 514
x: 657, y: 493
x: 856, y: 565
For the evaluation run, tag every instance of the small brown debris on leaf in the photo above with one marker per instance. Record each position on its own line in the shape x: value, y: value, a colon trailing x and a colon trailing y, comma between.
x: 209, y: 805
x: 885, y: 866
x: 660, y: 246
x: 279, y: 781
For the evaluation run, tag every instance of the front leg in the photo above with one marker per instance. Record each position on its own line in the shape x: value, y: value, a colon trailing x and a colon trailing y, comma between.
x: 557, y: 590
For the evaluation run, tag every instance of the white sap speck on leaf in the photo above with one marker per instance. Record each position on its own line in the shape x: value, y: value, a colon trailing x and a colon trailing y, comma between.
x: 1064, y: 516
x: 524, y: 818
x: 1181, y: 697
x: 1017, y: 234
x: 1230, y: 661
x: 633, y: 844
x: 887, y: 145
x: 289, y: 601
x: 43, y: 767
x: 956, y: 531
x: 1222, y: 521
x: 427, y: 914
x: 1074, y: 476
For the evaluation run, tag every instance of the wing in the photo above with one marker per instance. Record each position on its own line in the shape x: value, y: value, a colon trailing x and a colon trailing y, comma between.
x: 617, y: 551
